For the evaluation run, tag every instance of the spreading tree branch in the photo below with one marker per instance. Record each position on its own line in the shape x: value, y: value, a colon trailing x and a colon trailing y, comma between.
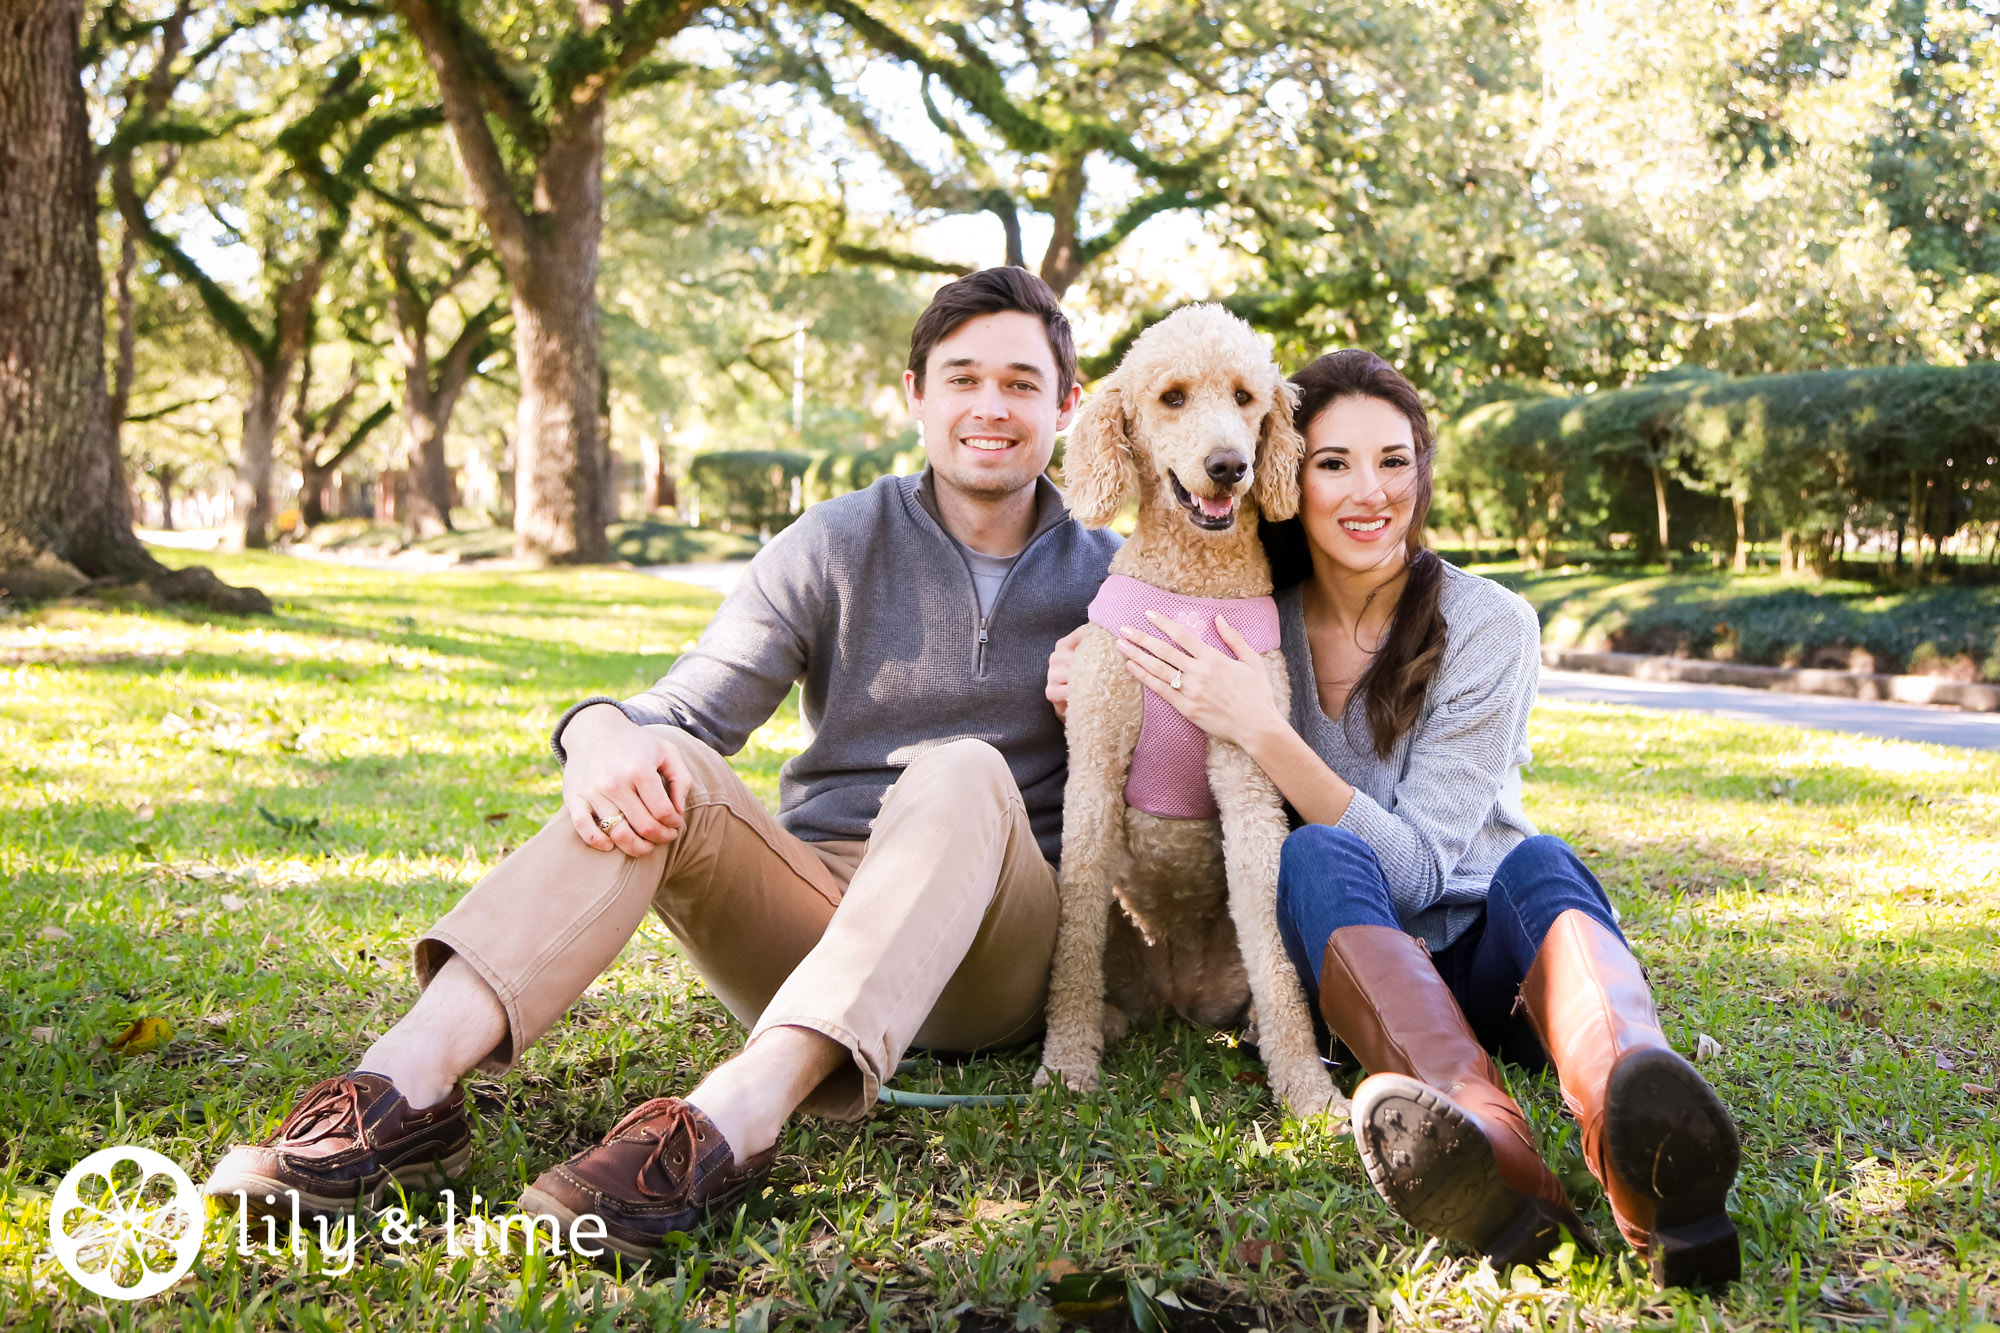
x: 588, y: 62
x: 473, y: 84
x: 901, y: 259
x: 357, y: 437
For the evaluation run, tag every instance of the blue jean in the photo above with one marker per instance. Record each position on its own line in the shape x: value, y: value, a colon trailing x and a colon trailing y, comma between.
x: 1329, y: 878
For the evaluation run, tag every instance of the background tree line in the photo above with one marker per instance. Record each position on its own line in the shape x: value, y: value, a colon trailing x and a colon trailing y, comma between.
x: 389, y: 232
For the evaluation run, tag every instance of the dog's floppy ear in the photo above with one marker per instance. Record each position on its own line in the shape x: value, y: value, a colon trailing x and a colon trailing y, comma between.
x: 1280, y: 451
x: 1097, y: 458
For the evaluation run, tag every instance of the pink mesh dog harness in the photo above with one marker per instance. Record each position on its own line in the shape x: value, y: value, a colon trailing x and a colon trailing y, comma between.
x: 1169, y: 775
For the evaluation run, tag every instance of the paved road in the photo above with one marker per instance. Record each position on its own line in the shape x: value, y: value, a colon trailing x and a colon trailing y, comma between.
x: 1906, y: 722
x: 1903, y: 722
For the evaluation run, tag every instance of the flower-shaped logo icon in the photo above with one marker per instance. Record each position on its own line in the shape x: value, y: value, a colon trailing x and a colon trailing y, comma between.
x: 126, y: 1223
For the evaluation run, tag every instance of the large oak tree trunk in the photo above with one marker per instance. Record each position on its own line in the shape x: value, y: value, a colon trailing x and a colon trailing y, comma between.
x: 426, y: 414
x: 558, y: 468
x: 430, y: 393
x: 249, y: 525
x: 65, y: 512
x: 547, y: 242
x: 314, y: 482
x: 428, y: 513
x: 163, y: 477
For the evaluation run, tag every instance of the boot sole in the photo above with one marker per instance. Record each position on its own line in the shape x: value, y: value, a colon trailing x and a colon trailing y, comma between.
x: 1432, y: 1164
x: 1669, y: 1136
x: 535, y: 1204
x: 256, y: 1186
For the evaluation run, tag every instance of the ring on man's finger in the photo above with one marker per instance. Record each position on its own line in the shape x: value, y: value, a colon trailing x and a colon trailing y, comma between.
x: 608, y: 824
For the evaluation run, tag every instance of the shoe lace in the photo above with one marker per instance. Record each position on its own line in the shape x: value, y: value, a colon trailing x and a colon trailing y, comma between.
x: 673, y: 1129
x: 325, y: 1108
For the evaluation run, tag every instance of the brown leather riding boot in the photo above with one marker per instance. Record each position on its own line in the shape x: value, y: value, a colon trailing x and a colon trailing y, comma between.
x: 1444, y: 1144
x: 1654, y: 1133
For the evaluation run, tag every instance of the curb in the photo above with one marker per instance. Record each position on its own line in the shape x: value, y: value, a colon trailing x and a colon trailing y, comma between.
x: 1841, y: 684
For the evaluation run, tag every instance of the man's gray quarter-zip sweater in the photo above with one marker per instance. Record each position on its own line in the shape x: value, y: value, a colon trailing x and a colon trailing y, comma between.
x: 868, y: 603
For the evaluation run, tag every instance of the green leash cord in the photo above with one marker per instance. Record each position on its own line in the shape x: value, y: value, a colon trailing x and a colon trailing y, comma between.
x: 942, y: 1101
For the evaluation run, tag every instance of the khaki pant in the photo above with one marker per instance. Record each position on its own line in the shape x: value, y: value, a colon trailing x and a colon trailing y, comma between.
x: 937, y: 931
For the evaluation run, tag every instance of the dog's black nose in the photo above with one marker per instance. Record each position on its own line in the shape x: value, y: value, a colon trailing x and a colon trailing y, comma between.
x: 1225, y: 467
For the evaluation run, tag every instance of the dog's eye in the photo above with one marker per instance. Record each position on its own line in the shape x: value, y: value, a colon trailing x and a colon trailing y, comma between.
x: 1174, y: 397
x: 1243, y: 397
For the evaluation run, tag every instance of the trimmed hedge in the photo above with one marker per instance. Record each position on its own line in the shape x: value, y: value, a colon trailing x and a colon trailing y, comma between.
x: 836, y: 472
x: 1805, y: 457
x: 765, y: 489
x: 749, y: 490
x: 1767, y: 621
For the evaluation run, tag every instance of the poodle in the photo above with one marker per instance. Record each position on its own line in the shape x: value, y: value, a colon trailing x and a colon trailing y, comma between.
x: 1197, y: 420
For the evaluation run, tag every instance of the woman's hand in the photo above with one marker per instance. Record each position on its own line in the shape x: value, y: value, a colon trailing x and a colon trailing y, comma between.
x: 1060, y: 661
x: 625, y: 776
x: 1229, y: 697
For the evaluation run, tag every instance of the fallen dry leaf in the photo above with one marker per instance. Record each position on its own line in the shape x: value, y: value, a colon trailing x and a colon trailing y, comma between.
x: 1980, y: 1090
x: 231, y: 903
x: 143, y: 1037
x: 1706, y: 1047
x: 1252, y: 1253
x: 54, y: 933
x: 1174, y: 1085
x: 1252, y: 1077
x: 46, y: 1036
x: 997, y: 1210
x: 499, y: 815
x: 1057, y: 1269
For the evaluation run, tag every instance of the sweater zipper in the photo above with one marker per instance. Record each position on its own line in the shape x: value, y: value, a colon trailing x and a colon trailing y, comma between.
x: 985, y: 622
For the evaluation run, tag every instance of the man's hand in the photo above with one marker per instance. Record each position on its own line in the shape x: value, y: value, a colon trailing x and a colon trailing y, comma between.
x: 623, y: 775
x: 1059, y: 665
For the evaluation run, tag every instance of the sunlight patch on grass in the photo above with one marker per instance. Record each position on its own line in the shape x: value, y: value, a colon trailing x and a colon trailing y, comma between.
x: 1821, y: 749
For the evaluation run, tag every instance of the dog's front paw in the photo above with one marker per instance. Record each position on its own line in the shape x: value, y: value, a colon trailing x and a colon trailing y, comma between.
x: 1075, y: 1079
x: 1307, y: 1092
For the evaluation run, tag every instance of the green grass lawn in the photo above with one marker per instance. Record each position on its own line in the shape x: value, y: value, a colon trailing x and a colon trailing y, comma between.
x: 1824, y: 910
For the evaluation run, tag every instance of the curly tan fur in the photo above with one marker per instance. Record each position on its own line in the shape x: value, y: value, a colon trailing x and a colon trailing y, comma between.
x: 1177, y: 914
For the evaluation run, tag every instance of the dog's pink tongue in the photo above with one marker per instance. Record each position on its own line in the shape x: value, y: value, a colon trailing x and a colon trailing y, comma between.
x: 1218, y: 507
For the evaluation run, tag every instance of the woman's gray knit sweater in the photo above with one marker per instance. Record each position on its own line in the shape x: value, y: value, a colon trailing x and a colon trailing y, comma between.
x: 1443, y: 809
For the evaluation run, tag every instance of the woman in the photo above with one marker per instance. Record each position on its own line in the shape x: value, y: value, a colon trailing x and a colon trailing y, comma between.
x: 1416, y: 900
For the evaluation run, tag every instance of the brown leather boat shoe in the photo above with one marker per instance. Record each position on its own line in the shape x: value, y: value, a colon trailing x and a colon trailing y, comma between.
x: 664, y: 1168
x: 346, y: 1139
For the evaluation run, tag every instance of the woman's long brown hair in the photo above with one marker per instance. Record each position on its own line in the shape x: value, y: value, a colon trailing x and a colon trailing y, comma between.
x: 1392, y: 690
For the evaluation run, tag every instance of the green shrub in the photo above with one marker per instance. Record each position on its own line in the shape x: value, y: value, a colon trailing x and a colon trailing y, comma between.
x: 1767, y: 621
x: 836, y: 472
x: 1805, y: 457
x: 749, y: 490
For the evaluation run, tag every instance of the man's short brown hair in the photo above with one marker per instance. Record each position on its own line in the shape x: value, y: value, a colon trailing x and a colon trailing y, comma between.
x: 989, y: 292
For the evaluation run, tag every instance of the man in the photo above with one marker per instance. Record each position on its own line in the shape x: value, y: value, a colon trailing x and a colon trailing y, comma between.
x: 903, y: 894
